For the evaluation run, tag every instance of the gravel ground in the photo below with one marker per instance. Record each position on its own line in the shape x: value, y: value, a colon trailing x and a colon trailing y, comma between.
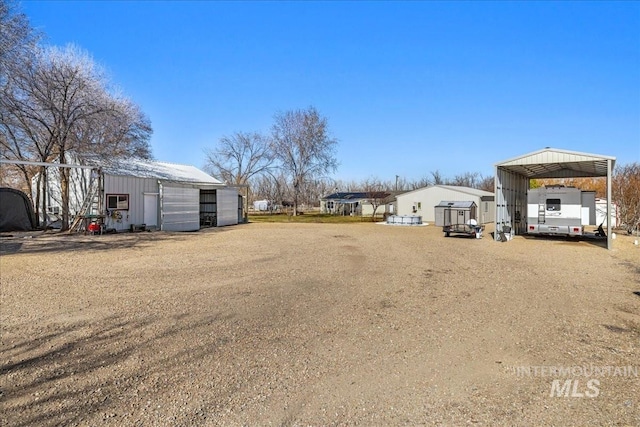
x: 317, y: 324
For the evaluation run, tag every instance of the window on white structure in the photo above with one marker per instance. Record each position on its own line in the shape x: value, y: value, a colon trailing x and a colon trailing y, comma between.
x: 118, y: 202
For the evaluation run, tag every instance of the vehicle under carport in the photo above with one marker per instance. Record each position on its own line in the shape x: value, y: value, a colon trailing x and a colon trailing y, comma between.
x: 513, y: 176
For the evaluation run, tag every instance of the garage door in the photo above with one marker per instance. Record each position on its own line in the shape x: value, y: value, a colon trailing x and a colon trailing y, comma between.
x: 180, y: 208
x: 227, y: 206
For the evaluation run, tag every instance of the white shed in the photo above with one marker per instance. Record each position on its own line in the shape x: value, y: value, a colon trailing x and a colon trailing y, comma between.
x: 132, y: 192
x: 423, y: 201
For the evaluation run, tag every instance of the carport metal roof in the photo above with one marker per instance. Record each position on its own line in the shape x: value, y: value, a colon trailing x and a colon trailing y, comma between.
x: 512, y: 176
x: 555, y: 163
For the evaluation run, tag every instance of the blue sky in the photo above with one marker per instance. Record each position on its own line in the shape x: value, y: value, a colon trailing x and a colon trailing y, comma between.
x: 407, y: 87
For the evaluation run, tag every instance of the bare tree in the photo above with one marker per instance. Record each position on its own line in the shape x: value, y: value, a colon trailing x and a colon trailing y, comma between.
x: 121, y: 130
x: 272, y: 187
x: 17, y: 39
x: 59, y: 103
x: 424, y: 181
x: 438, y: 179
x: 347, y: 186
x: 301, y: 143
x: 467, y: 179
x: 239, y: 157
x: 17, y: 45
x: 486, y: 183
x: 24, y: 135
x: 313, y: 190
x: 626, y: 194
x: 376, y: 194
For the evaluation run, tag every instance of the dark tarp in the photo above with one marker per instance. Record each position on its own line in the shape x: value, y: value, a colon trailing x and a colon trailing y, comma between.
x: 16, y: 211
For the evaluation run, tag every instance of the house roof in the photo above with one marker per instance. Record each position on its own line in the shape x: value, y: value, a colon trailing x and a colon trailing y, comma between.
x: 464, y: 204
x: 556, y: 163
x: 140, y: 168
x: 357, y: 195
x: 466, y: 190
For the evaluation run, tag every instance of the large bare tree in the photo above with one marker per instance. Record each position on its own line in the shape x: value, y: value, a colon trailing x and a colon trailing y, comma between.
x: 305, y: 150
x: 59, y: 102
x: 239, y: 157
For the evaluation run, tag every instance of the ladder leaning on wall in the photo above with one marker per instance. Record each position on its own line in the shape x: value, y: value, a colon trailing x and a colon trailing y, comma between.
x: 90, y: 204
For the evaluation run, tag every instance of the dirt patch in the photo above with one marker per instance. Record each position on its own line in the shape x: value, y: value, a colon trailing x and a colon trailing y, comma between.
x: 315, y: 324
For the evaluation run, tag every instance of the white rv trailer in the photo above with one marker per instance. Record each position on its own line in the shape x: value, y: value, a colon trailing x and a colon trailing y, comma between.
x: 559, y: 210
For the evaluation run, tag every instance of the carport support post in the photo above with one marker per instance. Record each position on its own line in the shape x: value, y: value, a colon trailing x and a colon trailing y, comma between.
x: 609, y: 171
x: 246, y: 205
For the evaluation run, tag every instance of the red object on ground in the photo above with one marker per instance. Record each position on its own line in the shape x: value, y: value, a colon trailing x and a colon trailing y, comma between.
x: 94, y: 227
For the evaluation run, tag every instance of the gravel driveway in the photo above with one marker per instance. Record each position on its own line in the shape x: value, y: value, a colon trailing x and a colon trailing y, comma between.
x: 318, y: 324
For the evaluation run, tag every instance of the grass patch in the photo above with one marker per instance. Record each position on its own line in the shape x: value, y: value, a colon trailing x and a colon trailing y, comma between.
x: 311, y: 217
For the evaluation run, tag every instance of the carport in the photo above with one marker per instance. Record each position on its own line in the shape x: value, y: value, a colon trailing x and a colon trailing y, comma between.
x: 513, y: 175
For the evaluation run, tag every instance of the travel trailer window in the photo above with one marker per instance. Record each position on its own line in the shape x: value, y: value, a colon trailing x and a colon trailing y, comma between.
x: 553, y: 204
x: 118, y: 202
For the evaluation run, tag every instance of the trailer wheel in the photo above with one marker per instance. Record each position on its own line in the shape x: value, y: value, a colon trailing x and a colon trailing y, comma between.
x: 446, y: 234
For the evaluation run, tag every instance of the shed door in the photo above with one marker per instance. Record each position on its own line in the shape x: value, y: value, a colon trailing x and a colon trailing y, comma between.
x: 227, y: 206
x: 150, y: 210
x: 180, y: 208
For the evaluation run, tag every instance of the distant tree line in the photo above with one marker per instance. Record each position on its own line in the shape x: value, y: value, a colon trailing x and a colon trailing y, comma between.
x: 56, y: 101
x: 291, y: 165
x: 401, y: 184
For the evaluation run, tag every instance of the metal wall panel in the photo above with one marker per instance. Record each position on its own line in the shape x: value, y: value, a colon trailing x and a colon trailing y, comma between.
x: 429, y: 197
x: 511, y: 201
x: 135, y: 188
x: 179, y: 208
x: 227, y: 206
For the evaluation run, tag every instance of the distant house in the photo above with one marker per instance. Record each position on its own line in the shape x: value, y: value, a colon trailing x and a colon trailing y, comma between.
x: 423, y: 201
x: 131, y: 192
x: 358, y: 203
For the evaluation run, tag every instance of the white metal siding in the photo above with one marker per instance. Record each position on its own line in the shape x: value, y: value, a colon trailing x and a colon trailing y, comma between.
x: 227, y: 206
x: 510, y: 201
x: 135, y: 188
x: 429, y: 197
x: 180, y: 208
x: 150, y: 209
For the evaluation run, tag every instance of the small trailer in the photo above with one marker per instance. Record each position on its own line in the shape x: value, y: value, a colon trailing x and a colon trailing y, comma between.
x: 559, y: 210
x: 458, y: 218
